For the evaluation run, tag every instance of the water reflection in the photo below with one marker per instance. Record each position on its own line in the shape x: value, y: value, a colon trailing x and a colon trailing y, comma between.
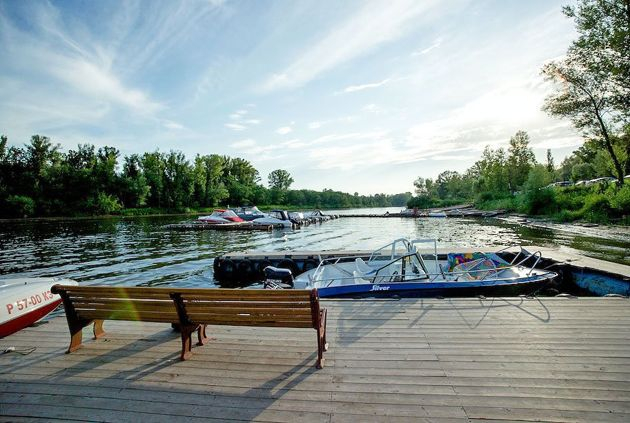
x: 140, y: 251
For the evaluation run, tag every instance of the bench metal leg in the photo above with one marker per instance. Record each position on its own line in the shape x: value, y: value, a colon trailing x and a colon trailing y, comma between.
x: 98, y: 329
x: 76, y: 333
x: 186, y: 333
x: 201, y: 335
x: 322, y: 345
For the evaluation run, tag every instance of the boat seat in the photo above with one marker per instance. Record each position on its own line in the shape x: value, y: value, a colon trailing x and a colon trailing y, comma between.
x: 362, y: 267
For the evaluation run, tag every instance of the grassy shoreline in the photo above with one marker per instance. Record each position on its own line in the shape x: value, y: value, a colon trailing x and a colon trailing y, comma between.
x: 600, y: 205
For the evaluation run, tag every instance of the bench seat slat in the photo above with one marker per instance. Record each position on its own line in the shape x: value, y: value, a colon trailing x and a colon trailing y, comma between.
x: 261, y: 294
x: 128, y: 315
x: 226, y: 321
x: 251, y: 304
x: 127, y: 305
x: 142, y: 290
x: 291, y: 312
x: 198, y: 316
x: 119, y: 295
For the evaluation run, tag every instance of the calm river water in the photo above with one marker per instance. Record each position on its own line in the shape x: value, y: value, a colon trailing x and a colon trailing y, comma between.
x: 140, y: 251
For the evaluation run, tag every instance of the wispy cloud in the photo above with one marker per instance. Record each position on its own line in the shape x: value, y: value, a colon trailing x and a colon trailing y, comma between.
x: 65, y: 55
x: 364, y: 149
x: 437, y: 43
x: 239, y: 120
x: 284, y: 130
x: 93, y: 81
x: 235, y: 126
x: 252, y: 148
x: 376, y: 24
x: 490, y: 119
x: 149, y: 34
x: 315, y: 125
x: 172, y: 125
x: 372, y: 108
x: 353, y: 88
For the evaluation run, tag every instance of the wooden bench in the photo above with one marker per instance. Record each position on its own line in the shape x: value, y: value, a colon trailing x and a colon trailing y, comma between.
x: 250, y: 307
x: 191, y: 310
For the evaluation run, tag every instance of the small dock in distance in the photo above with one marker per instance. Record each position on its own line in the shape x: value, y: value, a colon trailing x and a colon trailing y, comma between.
x: 408, y: 360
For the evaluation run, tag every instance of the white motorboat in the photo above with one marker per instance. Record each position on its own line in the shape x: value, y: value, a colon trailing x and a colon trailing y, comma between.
x: 398, y: 268
x: 248, y: 213
x: 25, y: 301
x: 276, y: 218
x: 220, y: 216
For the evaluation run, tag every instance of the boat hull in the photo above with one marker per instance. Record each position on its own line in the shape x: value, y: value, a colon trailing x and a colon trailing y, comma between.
x: 273, y: 221
x: 25, y: 301
x: 438, y: 289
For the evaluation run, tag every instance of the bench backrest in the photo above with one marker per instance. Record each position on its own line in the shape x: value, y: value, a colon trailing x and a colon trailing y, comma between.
x: 249, y: 307
x: 118, y: 303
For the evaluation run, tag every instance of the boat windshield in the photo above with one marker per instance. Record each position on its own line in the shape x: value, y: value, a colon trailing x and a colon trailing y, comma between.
x: 228, y: 213
x: 408, y: 266
x: 393, y: 250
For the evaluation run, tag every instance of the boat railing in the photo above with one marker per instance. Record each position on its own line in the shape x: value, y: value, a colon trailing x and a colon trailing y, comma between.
x: 519, y: 260
x: 526, y: 256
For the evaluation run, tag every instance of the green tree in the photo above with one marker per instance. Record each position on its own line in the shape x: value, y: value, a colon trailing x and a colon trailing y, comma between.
x: 520, y: 160
x: 134, y: 187
x: 448, y: 184
x: 593, y: 79
x: 178, y: 180
x: 280, y: 179
x: 551, y: 167
x: 492, y: 172
x: 3, y: 147
x: 209, y: 187
x: 104, y: 172
x: 582, y: 172
x: 538, y: 198
x: 153, y: 165
x: 279, y: 182
x: 240, y: 179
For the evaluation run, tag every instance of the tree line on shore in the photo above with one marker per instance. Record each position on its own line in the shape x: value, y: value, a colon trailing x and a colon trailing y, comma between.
x: 42, y: 180
x: 513, y: 180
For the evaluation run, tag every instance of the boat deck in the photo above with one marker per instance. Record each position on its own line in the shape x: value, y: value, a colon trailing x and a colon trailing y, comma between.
x: 419, y: 360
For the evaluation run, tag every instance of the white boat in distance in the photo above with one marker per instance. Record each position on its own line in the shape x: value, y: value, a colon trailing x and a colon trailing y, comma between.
x: 398, y: 268
x: 220, y: 216
x: 25, y: 301
x: 248, y: 213
x: 276, y: 218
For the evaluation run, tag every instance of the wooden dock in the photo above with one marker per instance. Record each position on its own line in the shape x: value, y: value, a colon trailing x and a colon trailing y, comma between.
x: 431, y: 360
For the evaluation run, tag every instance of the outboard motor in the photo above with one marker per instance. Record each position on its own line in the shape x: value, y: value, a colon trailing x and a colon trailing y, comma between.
x: 277, y: 278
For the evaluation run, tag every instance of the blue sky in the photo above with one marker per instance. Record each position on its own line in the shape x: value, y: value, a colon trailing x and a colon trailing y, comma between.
x: 358, y: 96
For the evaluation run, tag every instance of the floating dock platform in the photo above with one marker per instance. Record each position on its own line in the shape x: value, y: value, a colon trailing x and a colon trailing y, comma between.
x: 410, y: 360
x: 237, y: 226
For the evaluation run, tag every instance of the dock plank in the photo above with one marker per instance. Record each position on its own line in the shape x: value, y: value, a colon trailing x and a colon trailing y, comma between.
x: 420, y: 360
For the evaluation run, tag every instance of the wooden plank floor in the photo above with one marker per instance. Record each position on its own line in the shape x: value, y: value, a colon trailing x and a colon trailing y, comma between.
x: 451, y: 360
